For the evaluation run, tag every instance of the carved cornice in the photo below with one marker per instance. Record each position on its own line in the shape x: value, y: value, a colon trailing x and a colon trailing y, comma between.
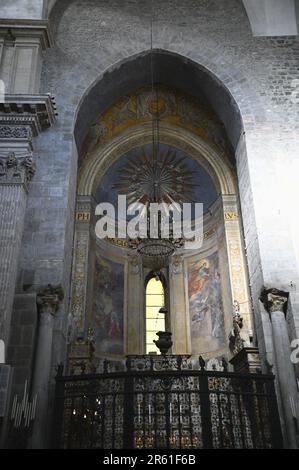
x: 24, y: 116
x: 16, y: 170
x: 274, y: 300
x: 21, y: 28
x: 49, y: 298
x: 15, y: 132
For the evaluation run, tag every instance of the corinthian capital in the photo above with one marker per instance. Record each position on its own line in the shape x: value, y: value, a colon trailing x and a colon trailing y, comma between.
x: 49, y: 298
x: 16, y: 170
x: 275, y: 300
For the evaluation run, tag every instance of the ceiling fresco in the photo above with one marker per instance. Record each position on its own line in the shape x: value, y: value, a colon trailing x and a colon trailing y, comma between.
x: 171, y: 106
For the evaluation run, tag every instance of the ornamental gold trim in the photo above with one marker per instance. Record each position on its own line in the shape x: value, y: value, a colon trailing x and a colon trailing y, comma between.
x: 228, y: 216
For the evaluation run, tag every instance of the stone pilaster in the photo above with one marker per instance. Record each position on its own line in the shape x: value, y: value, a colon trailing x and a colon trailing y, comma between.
x: 180, y: 326
x: 15, y: 175
x: 21, y: 45
x: 22, y: 117
x: 48, y: 301
x: 237, y: 264
x: 80, y: 262
x: 135, y: 304
x: 275, y: 302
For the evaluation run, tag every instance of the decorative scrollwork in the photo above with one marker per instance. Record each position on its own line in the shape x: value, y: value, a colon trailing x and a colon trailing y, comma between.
x: 16, y: 170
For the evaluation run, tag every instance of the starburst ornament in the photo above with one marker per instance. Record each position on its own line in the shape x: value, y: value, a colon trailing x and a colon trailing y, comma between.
x: 165, y: 179
x: 157, y: 177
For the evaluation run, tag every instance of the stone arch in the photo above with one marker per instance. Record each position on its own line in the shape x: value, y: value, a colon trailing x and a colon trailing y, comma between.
x: 100, y: 159
x: 172, y: 69
x: 92, y: 167
x: 227, y: 89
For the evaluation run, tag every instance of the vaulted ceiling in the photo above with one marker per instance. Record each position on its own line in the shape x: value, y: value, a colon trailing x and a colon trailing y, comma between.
x: 267, y: 17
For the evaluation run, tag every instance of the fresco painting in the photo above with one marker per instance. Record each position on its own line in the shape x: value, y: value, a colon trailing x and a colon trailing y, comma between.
x: 205, y: 304
x: 108, y: 306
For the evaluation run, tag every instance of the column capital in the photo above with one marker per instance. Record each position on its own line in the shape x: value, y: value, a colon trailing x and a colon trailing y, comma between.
x: 274, y: 300
x: 49, y: 298
x: 16, y: 170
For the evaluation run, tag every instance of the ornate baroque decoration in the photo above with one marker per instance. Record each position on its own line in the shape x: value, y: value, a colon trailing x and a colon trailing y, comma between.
x: 172, y: 403
x: 174, y: 107
x: 176, y: 266
x: 134, y: 264
x: 236, y: 342
x: 275, y: 300
x: 238, y: 277
x: 166, y: 180
x: 124, y: 243
x: 15, y: 132
x: 16, y: 170
x: 79, y: 277
x: 24, y: 116
x: 49, y: 298
x: 81, y: 355
x: 231, y: 216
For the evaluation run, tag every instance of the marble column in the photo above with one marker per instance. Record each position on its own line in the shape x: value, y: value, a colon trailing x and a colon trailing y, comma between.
x: 275, y: 302
x: 48, y: 301
x: 15, y: 175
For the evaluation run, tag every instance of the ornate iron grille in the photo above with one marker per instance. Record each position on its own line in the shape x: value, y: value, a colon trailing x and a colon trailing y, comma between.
x: 162, y: 403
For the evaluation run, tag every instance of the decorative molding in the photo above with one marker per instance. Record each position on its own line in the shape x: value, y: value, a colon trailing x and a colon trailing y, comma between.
x: 21, y: 28
x: 97, y: 162
x: 134, y: 264
x: 176, y: 266
x: 16, y: 170
x: 25, y: 116
x: 236, y: 342
x: 126, y: 243
x: 79, y: 277
x: 275, y: 300
x: 139, y: 107
x: 81, y: 355
x: 49, y: 298
x: 15, y: 132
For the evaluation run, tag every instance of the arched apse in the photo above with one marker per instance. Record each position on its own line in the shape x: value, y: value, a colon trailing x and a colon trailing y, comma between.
x: 170, y: 70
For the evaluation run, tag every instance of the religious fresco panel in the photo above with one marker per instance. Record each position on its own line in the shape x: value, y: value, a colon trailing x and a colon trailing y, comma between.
x: 108, y: 307
x: 205, y: 304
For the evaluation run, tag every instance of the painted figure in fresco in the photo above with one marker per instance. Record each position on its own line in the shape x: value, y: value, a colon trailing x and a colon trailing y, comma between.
x: 114, y: 328
x: 108, y: 307
x: 205, y: 299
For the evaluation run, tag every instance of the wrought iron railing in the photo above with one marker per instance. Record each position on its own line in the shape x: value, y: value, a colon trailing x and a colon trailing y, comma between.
x: 163, y: 403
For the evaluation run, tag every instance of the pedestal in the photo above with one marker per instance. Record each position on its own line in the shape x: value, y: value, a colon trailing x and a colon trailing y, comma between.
x: 247, y: 361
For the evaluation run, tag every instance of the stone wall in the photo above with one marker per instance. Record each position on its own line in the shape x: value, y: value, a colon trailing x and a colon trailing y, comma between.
x: 257, y: 76
x: 260, y: 73
x: 21, y: 349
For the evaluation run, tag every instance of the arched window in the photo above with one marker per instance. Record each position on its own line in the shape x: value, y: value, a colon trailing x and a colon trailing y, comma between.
x: 155, y: 321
